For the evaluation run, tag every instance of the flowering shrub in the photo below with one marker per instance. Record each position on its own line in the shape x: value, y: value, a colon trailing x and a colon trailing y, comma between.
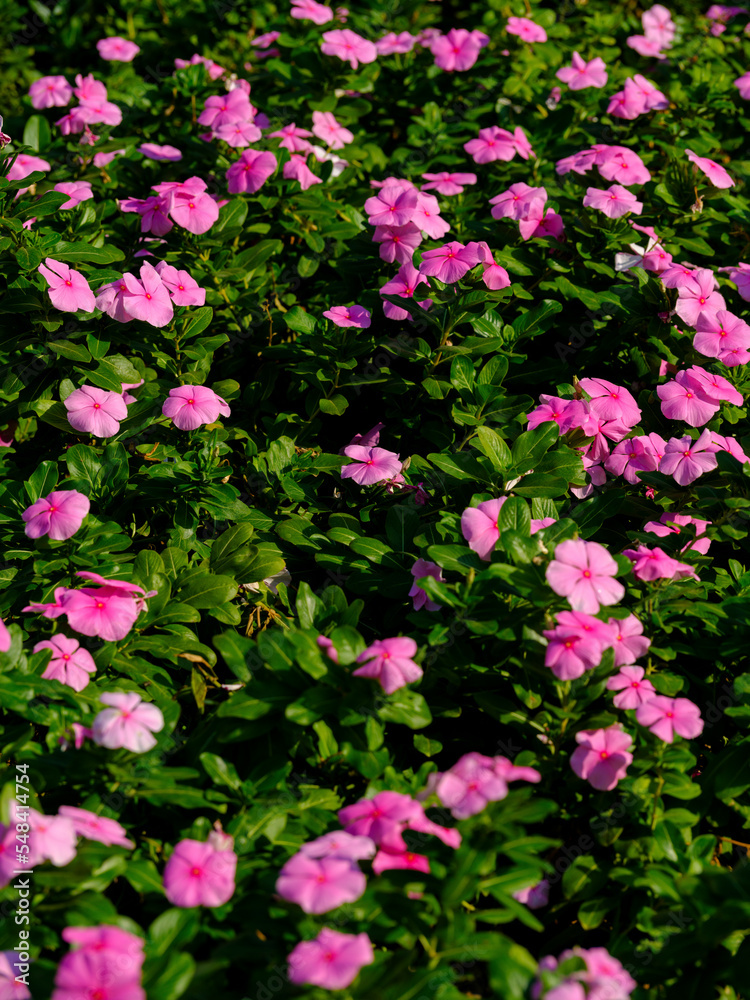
x: 374, y: 495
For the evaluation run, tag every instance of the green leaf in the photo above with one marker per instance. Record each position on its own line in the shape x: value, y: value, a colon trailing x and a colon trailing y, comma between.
x: 42, y: 481
x: 493, y: 446
x: 406, y: 707
x: 205, y: 590
x: 220, y: 771
x: 84, y: 253
x: 37, y: 135
x: 71, y: 350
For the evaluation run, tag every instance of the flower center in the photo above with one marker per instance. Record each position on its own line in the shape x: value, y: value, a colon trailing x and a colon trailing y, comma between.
x: 196, y: 872
x: 586, y: 574
x: 69, y: 284
x: 604, y: 755
x: 66, y: 656
x: 670, y: 715
x: 100, y: 604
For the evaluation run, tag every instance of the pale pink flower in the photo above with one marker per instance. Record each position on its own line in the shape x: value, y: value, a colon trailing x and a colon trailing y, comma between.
x: 332, y: 960
x: 646, y: 46
x: 310, y: 10
x: 540, y: 523
x: 191, y: 207
x: 621, y: 164
x: 117, y: 49
x: 627, y: 103
x: 602, y: 756
x: 190, y: 406
x: 633, y: 687
x: 328, y: 648
x: 615, y: 201
x: 68, y: 290
x: 77, y: 190
x: 448, y: 183
x: 628, y: 640
x: 475, y: 780
x: 422, y: 568
x: 99, y: 111
x: 685, y: 401
x: 427, y: 216
x: 326, y: 128
x: 296, y: 168
x: 50, y: 92
x: 348, y: 46
x: 370, y: 465
x: 92, y: 827
x: 11, y: 987
x: 584, y: 573
x: 393, y: 43
x: 130, y: 722
x: 109, y: 300
x: 226, y: 109
x: 389, y: 661
x: 526, y: 29
x: 514, y: 203
x: 148, y: 299
x: 686, y: 460
x: 293, y: 138
x: 714, y: 171
x: 155, y: 152
x: 581, y: 74
x: 709, y: 386
x: 479, y: 526
x: 667, y: 717
x: 318, y: 885
x: 59, y: 515
x: 183, y: 289
x: 349, y: 316
x: 494, y: 275
x: 611, y: 402
x: 197, y: 874
x: 655, y: 564
x: 251, y: 171
x: 722, y: 335
x: 339, y: 844
x: 458, y: 49
x: 95, y: 411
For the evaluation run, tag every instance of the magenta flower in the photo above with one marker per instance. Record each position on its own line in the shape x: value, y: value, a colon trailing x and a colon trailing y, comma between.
x: 370, y: 465
x: 191, y: 207
x: 630, y: 457
x: 328, y: 648
x: 392, y: 43
x: 226, y: 109
x: 339, y: 844
x: 666, y: 717
x: 627, y: 640
x: 720, y: 333
x: 183, y: 289
x: 730, y: 445
x: 51, y: 610
x: 611, y: 402
x: 420, y: 569
x: 155, y: 152
x: 384, y: 817
x: 584, y: 573
x: 50, y: 92
x: 78, y: 190
x: 320, y: 884
x: 696, y: 295
x: 59, y: 515
x: 92, y: 827
x: 310, y: 10
x: 404, y: 860
x: 715, y: 388
x: 602, y: 756
x: 404, y: 285
x: 627, y: 103
x: 391, y: 206
x: 190, y: 406
x: 398, y: 243
x: 581, y: 74
x: 332, y: 960
x: 686, y: 460
x: 570, y: 652
x: 458, y: 49
x: 98, y: 974
x: 448, y: 183
x: 293, y: 138
x: 129, y: 723
x: 655, y: 564
x: 567, y: 413
x: 427, y: 216
x: 348, y: 46
x: 95, y: 411
x: 68, y: 290
x: 147, y: 299
x: 117, y: 49
x: 685, y: 402
x: 539, y: 221
x: 494, y: 275
x: 297, y: 169
x: 634, y: 689
x: 615, y: 202
x: 668, y: 525
x: 451, y: 262
x: 492, y: 143
x: 213, y: 69
x: 251, y: 171
x: 389, y: 661
x: 526, y: 29
x: 12, y: 988
x: 618, y: 163
x: 540, y: 523
x: 534, y: 896
x: 106, y: 938
x: 5, y: 639
x: 70, y: 663
x: 714, y: 171
x: 479, y: 526
x: 197, y: 874
x: 23, y: 165
x: 742, y: 83
x: 326, y: 128
x: 349, y: 316
x: 514, y: 203
x: 475, y: 780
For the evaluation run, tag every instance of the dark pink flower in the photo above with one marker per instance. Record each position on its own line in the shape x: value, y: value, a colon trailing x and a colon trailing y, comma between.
x: 655, y: 564
x: 479, y: 526
x: 534, y: 896
x: 348, y: 46
x: 117, y: 49
x: 251, y: 171
x: 714, y: 171
x: 390, y: 662
x: 581, y: 74
x: 183, y: 289
x: 666, y: 717
x: 318, y: 885
x: 332, y: 960
x: 492, y: 143
x: 296, y: 168
x: 370, y: 465
x: 190, y: 406
x: 602, y: 756
x: 95, y: 411
x: 197, y: 874
x: 391, y: 206
x: 633, y: 687
x: 420, y: 569
x: 474, y: 780
x: 345, y: 316
x: 59, y: 515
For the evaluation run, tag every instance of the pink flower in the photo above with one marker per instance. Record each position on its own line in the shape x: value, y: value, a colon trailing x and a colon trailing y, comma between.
x: 326, y: 128
x: 722, y: 335
x: 646, y: 46
x: 602, y: 756
x: 714, y: 171
x: 611, y: 402
x: 712, y: 387
x: 540, y: 523
x: 309, y: 10
x: 451, y: 261
x: 584, y: 573
x: 297, y: 169
x: 148, y: 299
x: 627, y: 640
x: 10, y: 986
x: 615, y: 202
x: 526, y: 29
x: 618, y: 163
x: 404, y: 285
x: 156, y: 152
x: 191, y: 207
x: 92, y: 827
x: 514, y: 203
x: 729, y: 445
x: 213, y: 69
x: 320, y: 884
x: 475, y: 780
x: 634, y: 690
x: 59, y: 515
x: 494, y: 275
x: 78, y: 190
x: 50, y: 92
x: 581, y: 74
x: 95, y: 411
x: 420, y: 569
x: 370, y: 465
x: 197, y: 874
x: 404, y: 860
x: 348, y: 46
x: 458, y: 49
x: 384, y: 817
x: 630, y: 457
x: 492, y: 143
x: 339, y: 844
x: 391, y: 206
x: 93, y: 973
x: 667, y: 525
x: 397, y: 242
x: 117, y: 49
x: 52, y: 610
x: 349, y: 316
x: 109, y: 300
x: 686, y: 460
x: 479, y: 526
x: 93, y: 111
x: 684, y: 401
x: 540, y: 222
x: 5, y: 640
x: 328, y: 648
x: 389, y: 661
x: 70, y: 664
x: 293, y: 138
x: 655, y: 564
x: 742, y: 83
x: 666, y: 717
x: 52, y: 838
x: 427, y: 216
x: 627, y: 103
x: 183, y: 289
x: 368, y: 440
x: 250, y: 172
x: 190, y: 406
x: 392, y: 43
x: 23, y: 165
x: 68, y: 290
x: 129, y: 723
x: 448, y: 183
x: 571, y: 651
x: 697, y: 295
x: 332, y: 960
x: 567, y: 413
x: 226, y: 109
x: 106, y: 938
x: 534, y: 896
